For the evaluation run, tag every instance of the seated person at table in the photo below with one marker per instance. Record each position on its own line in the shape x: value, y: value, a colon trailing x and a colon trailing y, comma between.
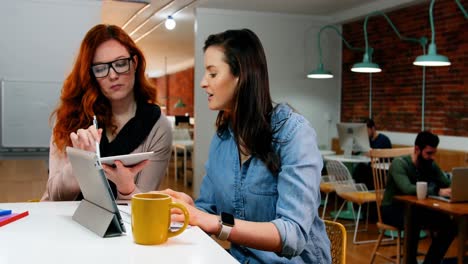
x: 377, y: 140
x: 108, y: 80
x: 404, y: 173
x: 263, y: 168
x: 363, y: 171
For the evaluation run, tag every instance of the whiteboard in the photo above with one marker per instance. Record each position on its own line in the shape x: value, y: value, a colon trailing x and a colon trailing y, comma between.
x: 25, y: 110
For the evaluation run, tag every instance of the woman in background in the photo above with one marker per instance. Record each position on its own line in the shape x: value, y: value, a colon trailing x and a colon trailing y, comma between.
x: 261, y: 188
x: 108, y: 81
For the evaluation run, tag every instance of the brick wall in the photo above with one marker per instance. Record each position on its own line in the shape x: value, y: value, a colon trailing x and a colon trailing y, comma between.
x: 179, y: 86
x: 397, y: 90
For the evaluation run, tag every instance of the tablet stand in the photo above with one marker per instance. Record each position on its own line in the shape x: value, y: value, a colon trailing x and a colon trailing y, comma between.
x: 97, y: 219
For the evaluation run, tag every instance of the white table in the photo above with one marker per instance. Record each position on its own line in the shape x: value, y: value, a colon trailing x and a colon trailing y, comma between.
x: 49, y: 235
x: 350, y: 159
x: 326, y: 152
x: 185, y: 146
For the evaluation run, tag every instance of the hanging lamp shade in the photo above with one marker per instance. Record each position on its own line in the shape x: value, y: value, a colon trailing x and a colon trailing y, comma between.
x: 179, y: 104
x: 366, y: 66
x: 432, y: 58
x: 320, y: 73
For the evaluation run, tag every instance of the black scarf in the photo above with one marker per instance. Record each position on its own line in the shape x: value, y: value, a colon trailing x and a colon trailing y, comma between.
x: 132, y: 134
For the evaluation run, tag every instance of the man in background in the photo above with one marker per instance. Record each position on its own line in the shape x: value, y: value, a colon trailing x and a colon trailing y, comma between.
x: 363, y: 171
x: 377, y: 140
x: 404, y: 173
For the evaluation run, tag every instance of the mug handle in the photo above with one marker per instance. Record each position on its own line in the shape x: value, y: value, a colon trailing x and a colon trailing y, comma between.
x: 186, y: 219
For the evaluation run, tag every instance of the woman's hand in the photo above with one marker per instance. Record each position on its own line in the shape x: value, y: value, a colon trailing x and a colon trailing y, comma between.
x: 179, y: 196
x: 86, y: 138
x: 207, y: 222
x: 122, y: 176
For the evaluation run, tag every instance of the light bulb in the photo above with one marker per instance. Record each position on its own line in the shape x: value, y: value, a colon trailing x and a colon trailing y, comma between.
x: 170, y: 23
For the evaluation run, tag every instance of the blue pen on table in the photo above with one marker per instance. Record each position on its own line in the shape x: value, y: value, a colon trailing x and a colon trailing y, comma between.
x: 4, y: 212
x: 98, y: 152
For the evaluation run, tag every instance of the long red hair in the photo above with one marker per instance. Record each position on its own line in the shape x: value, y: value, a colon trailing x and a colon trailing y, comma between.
x: 81, y: 97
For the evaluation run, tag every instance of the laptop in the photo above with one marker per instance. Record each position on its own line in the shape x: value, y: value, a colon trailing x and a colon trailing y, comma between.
x: 98, y: 210
x: 459, y: 186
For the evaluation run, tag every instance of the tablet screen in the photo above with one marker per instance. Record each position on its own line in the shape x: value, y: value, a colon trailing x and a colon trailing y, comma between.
x: 129, y: 159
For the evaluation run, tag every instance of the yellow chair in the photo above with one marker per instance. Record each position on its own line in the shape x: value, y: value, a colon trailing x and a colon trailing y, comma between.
x: 337, y: 174
x: 337, y: 234
x: 356, y: 193
x: 34, y: 200
x: 380, y: 163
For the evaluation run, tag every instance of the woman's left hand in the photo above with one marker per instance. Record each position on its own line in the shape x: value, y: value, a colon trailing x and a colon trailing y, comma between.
x: 122, y: 176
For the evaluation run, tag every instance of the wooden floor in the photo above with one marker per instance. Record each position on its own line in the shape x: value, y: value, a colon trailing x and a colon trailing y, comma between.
x: 23, y: 180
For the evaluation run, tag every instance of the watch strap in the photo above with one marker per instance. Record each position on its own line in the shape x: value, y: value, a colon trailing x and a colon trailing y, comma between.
x: 225, y: 231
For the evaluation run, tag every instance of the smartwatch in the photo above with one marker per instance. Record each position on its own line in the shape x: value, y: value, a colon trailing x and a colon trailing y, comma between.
x: 226, y: 221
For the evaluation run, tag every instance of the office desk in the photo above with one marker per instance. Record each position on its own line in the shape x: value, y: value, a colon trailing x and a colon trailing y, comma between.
x: 458, y: 210
x: 184, y: 145
x: 49, y: 235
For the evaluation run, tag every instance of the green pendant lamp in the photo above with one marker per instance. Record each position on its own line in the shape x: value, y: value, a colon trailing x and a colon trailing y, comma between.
x: 179, y: 104
x: 320, y: 72
x: 432, y: 58
x: 367, y: 66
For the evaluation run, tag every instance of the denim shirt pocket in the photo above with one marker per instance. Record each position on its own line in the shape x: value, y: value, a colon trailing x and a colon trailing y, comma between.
x: 261, y: 194
x: 261, y: 181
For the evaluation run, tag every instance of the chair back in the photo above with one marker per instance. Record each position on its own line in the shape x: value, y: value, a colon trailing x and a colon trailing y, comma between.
x: 338, y: 171
x: 381, y: 160
x: 180, y: 134
x: 337, y: 234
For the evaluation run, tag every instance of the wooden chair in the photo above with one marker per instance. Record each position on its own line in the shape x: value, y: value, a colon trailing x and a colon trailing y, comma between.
x: 337, y: 235
x: 380, y: 163
x: 337, y: 174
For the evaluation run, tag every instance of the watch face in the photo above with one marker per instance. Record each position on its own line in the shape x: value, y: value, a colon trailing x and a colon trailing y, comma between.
x: 227, y: 219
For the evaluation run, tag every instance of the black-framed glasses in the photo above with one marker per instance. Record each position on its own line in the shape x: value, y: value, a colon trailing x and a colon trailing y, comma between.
x: 120, y: 66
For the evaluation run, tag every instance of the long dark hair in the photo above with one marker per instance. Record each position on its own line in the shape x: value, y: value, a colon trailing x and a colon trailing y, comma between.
x: 252, y: 104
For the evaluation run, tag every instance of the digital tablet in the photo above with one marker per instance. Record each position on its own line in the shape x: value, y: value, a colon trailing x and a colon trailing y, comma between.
x: 129, y: 159
x: 98, y: 210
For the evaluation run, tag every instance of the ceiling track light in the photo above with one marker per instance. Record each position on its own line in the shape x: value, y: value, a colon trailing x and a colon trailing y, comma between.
x: 170, y: 23
x: 151, y: 16
x: 160, y: 23
x: 141, y: 10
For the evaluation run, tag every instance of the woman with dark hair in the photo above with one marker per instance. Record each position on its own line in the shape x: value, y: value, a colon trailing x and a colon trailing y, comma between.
x: 261, y: 188
x: 108, y: 81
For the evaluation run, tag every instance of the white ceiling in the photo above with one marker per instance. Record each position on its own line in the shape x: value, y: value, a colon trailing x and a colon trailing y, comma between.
x: 177, y: 46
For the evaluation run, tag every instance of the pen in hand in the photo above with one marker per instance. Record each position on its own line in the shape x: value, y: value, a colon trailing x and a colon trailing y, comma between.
x: 98, y: 152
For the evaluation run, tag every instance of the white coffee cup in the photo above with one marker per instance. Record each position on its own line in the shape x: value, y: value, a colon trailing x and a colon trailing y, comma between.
x: 421, y: 190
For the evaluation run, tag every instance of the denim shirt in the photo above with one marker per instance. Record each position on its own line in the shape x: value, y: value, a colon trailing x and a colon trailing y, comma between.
x: 289, y: 200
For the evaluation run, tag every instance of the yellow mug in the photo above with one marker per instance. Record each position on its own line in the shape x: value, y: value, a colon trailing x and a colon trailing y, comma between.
x: 151, y: 218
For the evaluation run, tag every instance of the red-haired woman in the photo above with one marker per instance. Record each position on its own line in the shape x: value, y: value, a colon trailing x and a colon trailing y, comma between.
x: 108, y: 81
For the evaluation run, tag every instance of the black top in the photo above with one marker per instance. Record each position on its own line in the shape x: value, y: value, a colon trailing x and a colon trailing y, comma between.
x: 132, y: 134
x: 381, y: 142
